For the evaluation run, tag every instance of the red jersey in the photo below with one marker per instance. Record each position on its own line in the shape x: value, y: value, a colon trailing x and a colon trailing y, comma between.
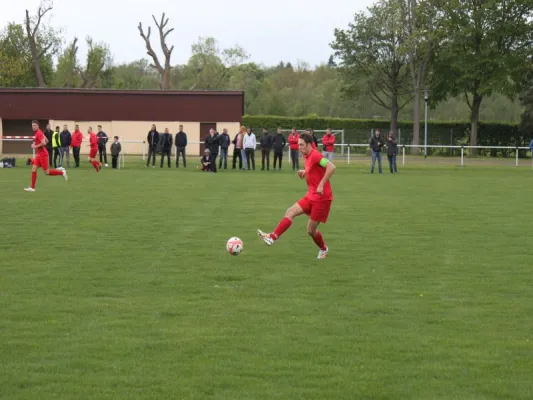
x: 293, y: 141
x: 77, y: 138
x: 37, y: 140
x: 314, y: 173
x: 93, y: 140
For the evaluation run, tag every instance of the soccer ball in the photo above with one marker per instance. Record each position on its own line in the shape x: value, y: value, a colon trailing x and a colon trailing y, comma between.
x: 234, y: 246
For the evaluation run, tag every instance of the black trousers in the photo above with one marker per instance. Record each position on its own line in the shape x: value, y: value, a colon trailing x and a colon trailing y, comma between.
x: 265, y: 155
x: 151, y: 153
x: 57, y: 154
x: 103, y: 152
x: 214, y: 162
x: 76, y: 154
x: 295, y: 159
x: 163, y: 154
x: 114, y: 161
x: 250, y: 156
x: 50, y: 155
x: 180, y: 150
x: 237, y: 155
x: 278, y: 156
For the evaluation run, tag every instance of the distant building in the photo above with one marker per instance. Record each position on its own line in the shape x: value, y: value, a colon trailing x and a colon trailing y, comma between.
x: 125, y: 113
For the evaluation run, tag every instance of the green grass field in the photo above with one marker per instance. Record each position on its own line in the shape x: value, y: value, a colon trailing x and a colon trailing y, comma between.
x: 117, y: 286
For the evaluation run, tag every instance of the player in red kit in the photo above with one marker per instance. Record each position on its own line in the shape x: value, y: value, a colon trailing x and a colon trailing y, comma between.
x: 41, y: 157
x: 316, y: 203
x: 93, y: 144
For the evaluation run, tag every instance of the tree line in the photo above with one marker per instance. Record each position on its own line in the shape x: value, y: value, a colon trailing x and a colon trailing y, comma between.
x: 471, y: 57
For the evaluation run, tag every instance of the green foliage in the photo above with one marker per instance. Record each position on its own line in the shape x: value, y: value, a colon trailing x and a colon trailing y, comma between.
x: 371, y: 56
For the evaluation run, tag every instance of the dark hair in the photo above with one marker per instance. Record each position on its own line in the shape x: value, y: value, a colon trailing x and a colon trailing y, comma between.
x: 99, y: 126
x: 116, y: 137
x: 57, y: 127
x: 35, y: 122
x: 307, y: 138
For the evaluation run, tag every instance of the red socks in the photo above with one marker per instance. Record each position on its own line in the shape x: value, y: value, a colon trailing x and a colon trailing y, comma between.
x: 283, y: 225
x: 319, y: 241
x: 33, y: 179
x: 95, y: 165
x: 55, y: 172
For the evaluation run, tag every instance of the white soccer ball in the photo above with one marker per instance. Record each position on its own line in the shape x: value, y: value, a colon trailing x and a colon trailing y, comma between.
x: 234, y: 246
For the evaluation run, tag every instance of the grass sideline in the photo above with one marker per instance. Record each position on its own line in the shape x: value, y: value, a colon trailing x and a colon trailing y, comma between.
x: 117, y: 286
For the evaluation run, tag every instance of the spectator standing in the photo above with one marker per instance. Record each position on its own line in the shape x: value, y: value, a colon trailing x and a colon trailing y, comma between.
x: 102, y: 144
x: 116, y: 148
x: 212, y: 143
x: 328, y: 144
x: 65, y: 138
x: 181, y: 144
x: 392, y: 151
x: 315, y: 140
x: 166, y: 146
x: 250, y: 144
x: 153, y: 140
x: 237, y: 150
x: 278, y: 144
x: 266, y: 144
x: 293, y: 146
x: 77, y: 139
x: 56, y: 146
x: 376, y: 144
x: 225, y: 141
x: 48, y: 132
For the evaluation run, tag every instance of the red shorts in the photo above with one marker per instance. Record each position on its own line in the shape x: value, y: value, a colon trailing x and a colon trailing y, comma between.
x: 317, y: 210
x: 93, y: 152
x: 41, y: 161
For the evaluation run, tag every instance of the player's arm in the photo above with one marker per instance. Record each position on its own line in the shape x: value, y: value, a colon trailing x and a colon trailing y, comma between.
x: 330, y: 170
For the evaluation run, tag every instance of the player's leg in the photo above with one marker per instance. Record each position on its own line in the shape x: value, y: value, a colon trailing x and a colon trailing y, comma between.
x: 319, y: 214
x: 60, y: 171
x: 301, y: 207
x: 34, y: 169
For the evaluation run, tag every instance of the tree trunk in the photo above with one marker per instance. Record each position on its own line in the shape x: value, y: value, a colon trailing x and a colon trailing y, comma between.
x: 476, y: 105
x: 394, y: 110
x: 416, y: 122
x: 36, y: 64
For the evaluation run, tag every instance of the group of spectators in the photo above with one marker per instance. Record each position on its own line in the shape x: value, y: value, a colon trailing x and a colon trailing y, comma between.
x: 376, y: 145
x: 245, y: 145
x: 60, y: 143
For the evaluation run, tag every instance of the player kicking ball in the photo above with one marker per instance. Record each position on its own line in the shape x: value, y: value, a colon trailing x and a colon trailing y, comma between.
x: 41, y: 157
x: 316, y: 203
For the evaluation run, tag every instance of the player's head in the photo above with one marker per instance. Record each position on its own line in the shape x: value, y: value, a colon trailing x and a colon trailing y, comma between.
x: 305, y: 143
x: 76, y: 127
x: 90, y: 129
x: 35, y: 125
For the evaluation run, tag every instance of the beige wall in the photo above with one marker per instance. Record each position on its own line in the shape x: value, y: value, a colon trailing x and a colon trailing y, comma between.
x: 138, y: 131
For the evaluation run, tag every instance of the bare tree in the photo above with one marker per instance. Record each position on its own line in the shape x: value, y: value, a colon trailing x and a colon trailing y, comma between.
x: 163, y: 69
x: 32, y: 31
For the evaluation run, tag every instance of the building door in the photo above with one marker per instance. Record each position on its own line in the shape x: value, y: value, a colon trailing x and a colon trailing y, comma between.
x: 204, y: 131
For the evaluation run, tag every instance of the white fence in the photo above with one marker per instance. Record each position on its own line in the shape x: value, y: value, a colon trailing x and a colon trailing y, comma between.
x: 343, y: 149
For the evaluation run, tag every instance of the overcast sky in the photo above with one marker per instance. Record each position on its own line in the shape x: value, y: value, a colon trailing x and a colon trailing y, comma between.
x: 270, y: 31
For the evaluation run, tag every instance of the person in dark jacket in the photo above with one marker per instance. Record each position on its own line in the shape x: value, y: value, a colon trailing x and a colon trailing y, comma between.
x: 66, y: 138
x: 225, y: 141
x: 116, y: 148
x: 152, y: 140
x: 181, y: 144
x: 315, y: 140
x: 206, y: 161
x: 48, y: 132
x: 102, y: 143
x: 278, y: 144
x: 166, y: 146
x: 212, y: 143
x: 392, y: 151
x: 376, y: 144
x: 266, y: 144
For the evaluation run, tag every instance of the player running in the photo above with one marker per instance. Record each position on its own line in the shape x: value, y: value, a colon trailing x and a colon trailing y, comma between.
x: 41, y: 157
x: 316, y: 203
x: 93, y: 144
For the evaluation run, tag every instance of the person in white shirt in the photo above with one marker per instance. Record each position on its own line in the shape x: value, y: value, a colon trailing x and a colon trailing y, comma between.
x: 249, y: 148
